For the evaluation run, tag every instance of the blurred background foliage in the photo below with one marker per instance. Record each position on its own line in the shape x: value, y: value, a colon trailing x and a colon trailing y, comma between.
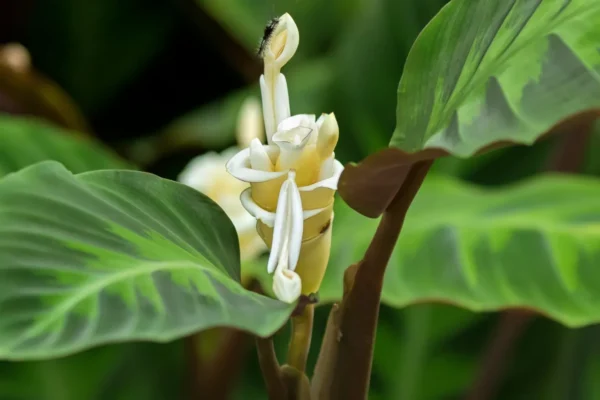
x: 161, y: 81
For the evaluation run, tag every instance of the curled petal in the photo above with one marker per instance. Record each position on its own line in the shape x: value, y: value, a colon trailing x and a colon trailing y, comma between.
x: 259, y: 159
x: 239, y: 166
x: 307, y: 120
x: 287, y: 285
x: 330, y: 182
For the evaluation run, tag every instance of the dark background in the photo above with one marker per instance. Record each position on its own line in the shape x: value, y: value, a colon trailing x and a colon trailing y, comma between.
x: 160, y: 82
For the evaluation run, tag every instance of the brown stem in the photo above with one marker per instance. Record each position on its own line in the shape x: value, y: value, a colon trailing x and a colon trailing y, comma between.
x: 499, y: 350
x: 360, y: 308
x: 569, y: 152
x: 270, y: 369
x: 212, y: 375
x: 226, y: 365
x: 296, y: 383
x: 194, y: 367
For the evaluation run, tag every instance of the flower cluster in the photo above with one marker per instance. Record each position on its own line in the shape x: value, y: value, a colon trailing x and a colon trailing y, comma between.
x: 293, y: 178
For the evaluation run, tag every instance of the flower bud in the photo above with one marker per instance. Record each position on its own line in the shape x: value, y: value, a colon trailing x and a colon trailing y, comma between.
x: 280, y: 42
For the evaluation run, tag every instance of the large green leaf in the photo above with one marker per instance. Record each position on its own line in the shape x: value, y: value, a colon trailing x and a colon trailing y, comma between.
x: 490, y: 71
x: 534, y: 245
x: 110, y: 256
x: 480, y: 75
x: 28, y: 141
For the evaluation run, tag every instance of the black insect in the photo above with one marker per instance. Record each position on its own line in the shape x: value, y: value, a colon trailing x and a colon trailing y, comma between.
x: 264, y: 42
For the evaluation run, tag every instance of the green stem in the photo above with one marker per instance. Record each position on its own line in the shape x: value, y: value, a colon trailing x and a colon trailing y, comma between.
x: 302, y: 326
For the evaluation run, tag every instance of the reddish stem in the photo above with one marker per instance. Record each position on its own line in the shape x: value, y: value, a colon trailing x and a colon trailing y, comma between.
x: 360, y: 308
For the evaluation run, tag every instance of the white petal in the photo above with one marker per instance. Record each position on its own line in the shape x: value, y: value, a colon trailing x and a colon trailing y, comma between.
x: 313, y: 138
x: 287, y: 285
x: 239, y: 167
x: 281, y: 100
x: 328, y: 136
x: 259, y: 159
x: 326, y: 168
x: 268, y: 217
x: 199, y: 171
x: 281, y: 227
x: 321, y: 120
x: 293, y: 139
x: 329, y: 183
x: 296, y: 223
x: 307, y: 120
x: 268, y: 110
x: 250, y: 122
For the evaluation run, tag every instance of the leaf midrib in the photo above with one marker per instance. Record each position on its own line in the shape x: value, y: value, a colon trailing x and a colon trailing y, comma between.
x: 94, y: 287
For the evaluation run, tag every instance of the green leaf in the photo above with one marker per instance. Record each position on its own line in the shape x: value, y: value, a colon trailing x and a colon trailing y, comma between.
x: 534, y: 245
x: 112, y: 256
x: 486, y: 72
x: 28, y: 141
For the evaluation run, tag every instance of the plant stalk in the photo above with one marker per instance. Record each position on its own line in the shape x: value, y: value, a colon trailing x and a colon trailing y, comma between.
x: 302, y: 326
x: 360, y: 308
x: 270, y: 369
x: 511, y: 326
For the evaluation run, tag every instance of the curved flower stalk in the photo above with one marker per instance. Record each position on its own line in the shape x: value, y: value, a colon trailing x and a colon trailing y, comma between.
x: 293, y: 178
x: 207, y: 174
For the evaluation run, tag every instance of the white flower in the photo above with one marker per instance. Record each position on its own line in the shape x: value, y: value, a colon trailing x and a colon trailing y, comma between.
x: 292, y: 179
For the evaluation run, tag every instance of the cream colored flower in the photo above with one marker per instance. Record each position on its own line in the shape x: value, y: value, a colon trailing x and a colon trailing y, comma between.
x: 292, y: 179
x: 207, y: 174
